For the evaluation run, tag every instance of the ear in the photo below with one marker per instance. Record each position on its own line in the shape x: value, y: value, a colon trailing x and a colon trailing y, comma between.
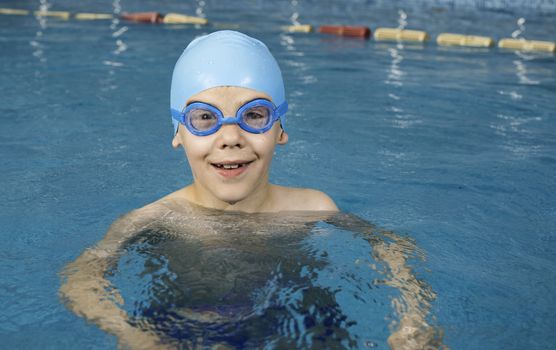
x: 282, y: 138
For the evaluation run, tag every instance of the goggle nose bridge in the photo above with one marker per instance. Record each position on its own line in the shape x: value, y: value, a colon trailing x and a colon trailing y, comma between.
x: 230, y: 120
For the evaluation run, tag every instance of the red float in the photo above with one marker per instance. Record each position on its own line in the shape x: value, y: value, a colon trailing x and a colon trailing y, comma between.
x: 143, y: 17
x: 352, y: 31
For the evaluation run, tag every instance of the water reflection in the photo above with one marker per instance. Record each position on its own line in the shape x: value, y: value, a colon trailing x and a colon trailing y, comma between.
x: 518, y: 136
x: 294, y: 64
x: 299, y: 67
x: 117, y: 33
x: 519, y: 63
x: 516, y: 130
x: 200, y: 11
x: 395, y: 73
x: 120, y: 47
x: 37, y: 45
x: 396, y: 77
x: 516, y: 34
x: 402, y: 19
x: 295, y: 13
x: 521, y: 70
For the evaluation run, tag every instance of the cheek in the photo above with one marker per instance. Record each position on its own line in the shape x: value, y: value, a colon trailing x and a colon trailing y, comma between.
x: 265, y: 144
x: 196, y: 149
x: 264, y: 147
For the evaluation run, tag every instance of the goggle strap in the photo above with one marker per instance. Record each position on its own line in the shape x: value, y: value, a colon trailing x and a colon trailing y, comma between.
x: 281, y: 113
x: 177, y: 115
x: 282, y: 109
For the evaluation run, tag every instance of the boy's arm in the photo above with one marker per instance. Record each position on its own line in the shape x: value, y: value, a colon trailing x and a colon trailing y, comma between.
x: 88, y: 293
x: 416, y: 296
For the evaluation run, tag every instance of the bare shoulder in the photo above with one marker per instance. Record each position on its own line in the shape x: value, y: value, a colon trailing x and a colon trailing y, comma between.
x: 135, y: 221
x: 303, y: 199
x: 142, y: 216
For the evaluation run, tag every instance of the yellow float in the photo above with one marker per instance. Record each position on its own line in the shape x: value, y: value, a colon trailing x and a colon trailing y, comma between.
x: 299, y: 28
x: 93, y: 16
x: 396, y: 34
x: 527, y: 45
x: 451, y: 39
x: 56, y: 14
x: 13, y: 12
x: 177, y: 18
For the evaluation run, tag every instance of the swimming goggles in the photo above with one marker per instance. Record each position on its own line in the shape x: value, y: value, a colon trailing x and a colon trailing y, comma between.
x: 255, y: 116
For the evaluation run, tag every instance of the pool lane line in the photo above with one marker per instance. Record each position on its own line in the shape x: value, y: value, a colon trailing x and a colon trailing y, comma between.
x: 143, y: 17
x: 380, y: 34
x: 157, y: 17
x: 146, y: 17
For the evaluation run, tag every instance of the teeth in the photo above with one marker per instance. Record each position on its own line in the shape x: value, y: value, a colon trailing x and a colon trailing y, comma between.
x: 230, y: 166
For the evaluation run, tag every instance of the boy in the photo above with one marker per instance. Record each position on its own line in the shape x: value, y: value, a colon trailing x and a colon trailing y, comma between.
x: 228, y: 107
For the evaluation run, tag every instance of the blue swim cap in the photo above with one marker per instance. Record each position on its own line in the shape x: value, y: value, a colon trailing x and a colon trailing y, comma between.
x: 225, y: 58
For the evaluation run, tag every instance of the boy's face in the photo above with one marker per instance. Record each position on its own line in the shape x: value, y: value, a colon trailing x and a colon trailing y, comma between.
x: 232, y: 164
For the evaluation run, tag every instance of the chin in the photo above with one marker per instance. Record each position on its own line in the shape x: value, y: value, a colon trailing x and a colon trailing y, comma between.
x: 232, y: 196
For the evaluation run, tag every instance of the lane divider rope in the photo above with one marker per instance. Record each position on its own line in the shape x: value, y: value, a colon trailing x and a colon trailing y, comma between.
x: 380, y: 34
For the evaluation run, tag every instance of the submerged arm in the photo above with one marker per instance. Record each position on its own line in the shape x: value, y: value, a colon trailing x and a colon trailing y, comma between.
x: 89, y: 294
x: 413, y: 305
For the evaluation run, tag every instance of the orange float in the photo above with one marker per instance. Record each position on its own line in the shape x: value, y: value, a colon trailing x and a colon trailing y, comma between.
x: 351, y: 31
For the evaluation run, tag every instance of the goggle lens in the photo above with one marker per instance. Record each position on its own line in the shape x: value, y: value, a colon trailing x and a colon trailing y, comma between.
x: 257, y: 117
x: 202, y: 119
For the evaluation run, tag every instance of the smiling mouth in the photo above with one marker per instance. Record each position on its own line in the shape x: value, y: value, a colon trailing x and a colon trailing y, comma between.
x: 231, y: 165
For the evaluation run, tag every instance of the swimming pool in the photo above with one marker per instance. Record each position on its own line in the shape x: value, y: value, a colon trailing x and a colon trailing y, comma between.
x: 452, y: 147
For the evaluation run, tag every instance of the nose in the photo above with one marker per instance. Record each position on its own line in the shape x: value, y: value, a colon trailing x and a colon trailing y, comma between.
x: 230, y: 136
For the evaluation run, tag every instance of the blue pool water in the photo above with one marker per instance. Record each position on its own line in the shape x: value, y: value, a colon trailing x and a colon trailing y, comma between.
x: 451, y: 147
